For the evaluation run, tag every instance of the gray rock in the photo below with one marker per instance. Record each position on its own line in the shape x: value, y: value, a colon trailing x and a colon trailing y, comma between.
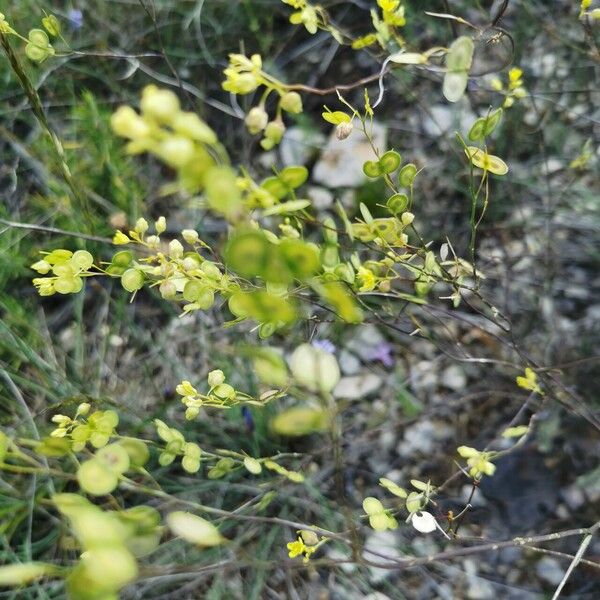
x: 454, y: 378
x: 550, y: 570
x: 298, y: 145
x: 341, y: 161
x: 357, y: 387
x: 443, y: 119
x: 478, y: 588
x: 382, y: 543
x: 321, y: 198
x: 573, y: 496
x: 349, y: 363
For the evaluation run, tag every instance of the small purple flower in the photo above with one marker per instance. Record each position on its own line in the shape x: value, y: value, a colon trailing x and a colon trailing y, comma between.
x: 75, y: 18
x: 248, y: 419
x: 324, y: 345
x: 383, y: 353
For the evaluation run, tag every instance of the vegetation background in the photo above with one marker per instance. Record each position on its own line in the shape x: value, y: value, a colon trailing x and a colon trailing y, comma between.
x: 418, y: 397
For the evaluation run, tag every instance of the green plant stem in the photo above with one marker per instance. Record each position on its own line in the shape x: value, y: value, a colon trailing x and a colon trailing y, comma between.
x: 38, y: 110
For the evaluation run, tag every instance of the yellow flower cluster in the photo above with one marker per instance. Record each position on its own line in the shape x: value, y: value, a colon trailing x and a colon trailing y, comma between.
x: 479, y: 462
x: 243, y: 76
x: 305, y: 545
x: 393, y: 12
x: 180, y: 139
x: 529, y: 381
x: 67, y: 268
x: 514, y: 87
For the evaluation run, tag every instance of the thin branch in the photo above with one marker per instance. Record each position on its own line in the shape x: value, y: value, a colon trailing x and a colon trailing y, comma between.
x: 34, y: 227
x: 576, y: 560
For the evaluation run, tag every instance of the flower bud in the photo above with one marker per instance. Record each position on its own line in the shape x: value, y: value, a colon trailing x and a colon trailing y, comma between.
x: 191, y: 412
x: 84, y: 408
x: 167, y: 289
x: 160, y: 225
x: 175, y: 249
x: 256, y: 120
x: 61, y: 419
x: 291, y: 102
x: 153, y: 241
x: 41, y: 266
x: 120, y: 238
x: 127, y: 123
x: 274, y: 131
x: 216, y: 377
x: 161, y: 105
x: 176, y: 151
x: 141, y: 226
x: 190, y: 236
x: 245, y: 83
x: 343, y: 130
x: 191, y: 125
x: 407, y: 218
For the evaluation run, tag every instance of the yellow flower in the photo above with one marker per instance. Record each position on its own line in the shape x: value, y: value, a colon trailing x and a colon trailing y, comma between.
x: 367, y: 279
x: 529, y: 382
x: 4, y: 26
x: 120, y: 238
x: 478, y: 461
x: 515, y: 74
x: 296, y: 548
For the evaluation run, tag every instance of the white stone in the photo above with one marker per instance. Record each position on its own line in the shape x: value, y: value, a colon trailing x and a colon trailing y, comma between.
x: 550, y: 570
x: 357, y: 387
x: 298, y: 145
x: 341, y: 162
x: 454, y: 378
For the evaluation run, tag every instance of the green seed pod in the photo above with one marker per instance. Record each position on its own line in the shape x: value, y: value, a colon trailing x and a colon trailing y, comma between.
x: 407, y: 175
x: 266, y: 330
x: 132, y: 280
x: 114, y: 457
x: 397, y: 203
x: 82, y: 259
x: 293, y: 176
x: 224, y: 391
x: 389, y: 161
x: 302, y: 259
x: 372, y: 169
x: 95, y: 479
x: 190, y: 464
x: 460, y: 54
x: 247, y: 253
x: 193, y: 288
x: 137, y: 451
x: 252, y: 465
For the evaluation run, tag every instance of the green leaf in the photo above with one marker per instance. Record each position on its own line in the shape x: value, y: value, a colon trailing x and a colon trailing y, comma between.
x: 336, y: 117
x: 286, y: 207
